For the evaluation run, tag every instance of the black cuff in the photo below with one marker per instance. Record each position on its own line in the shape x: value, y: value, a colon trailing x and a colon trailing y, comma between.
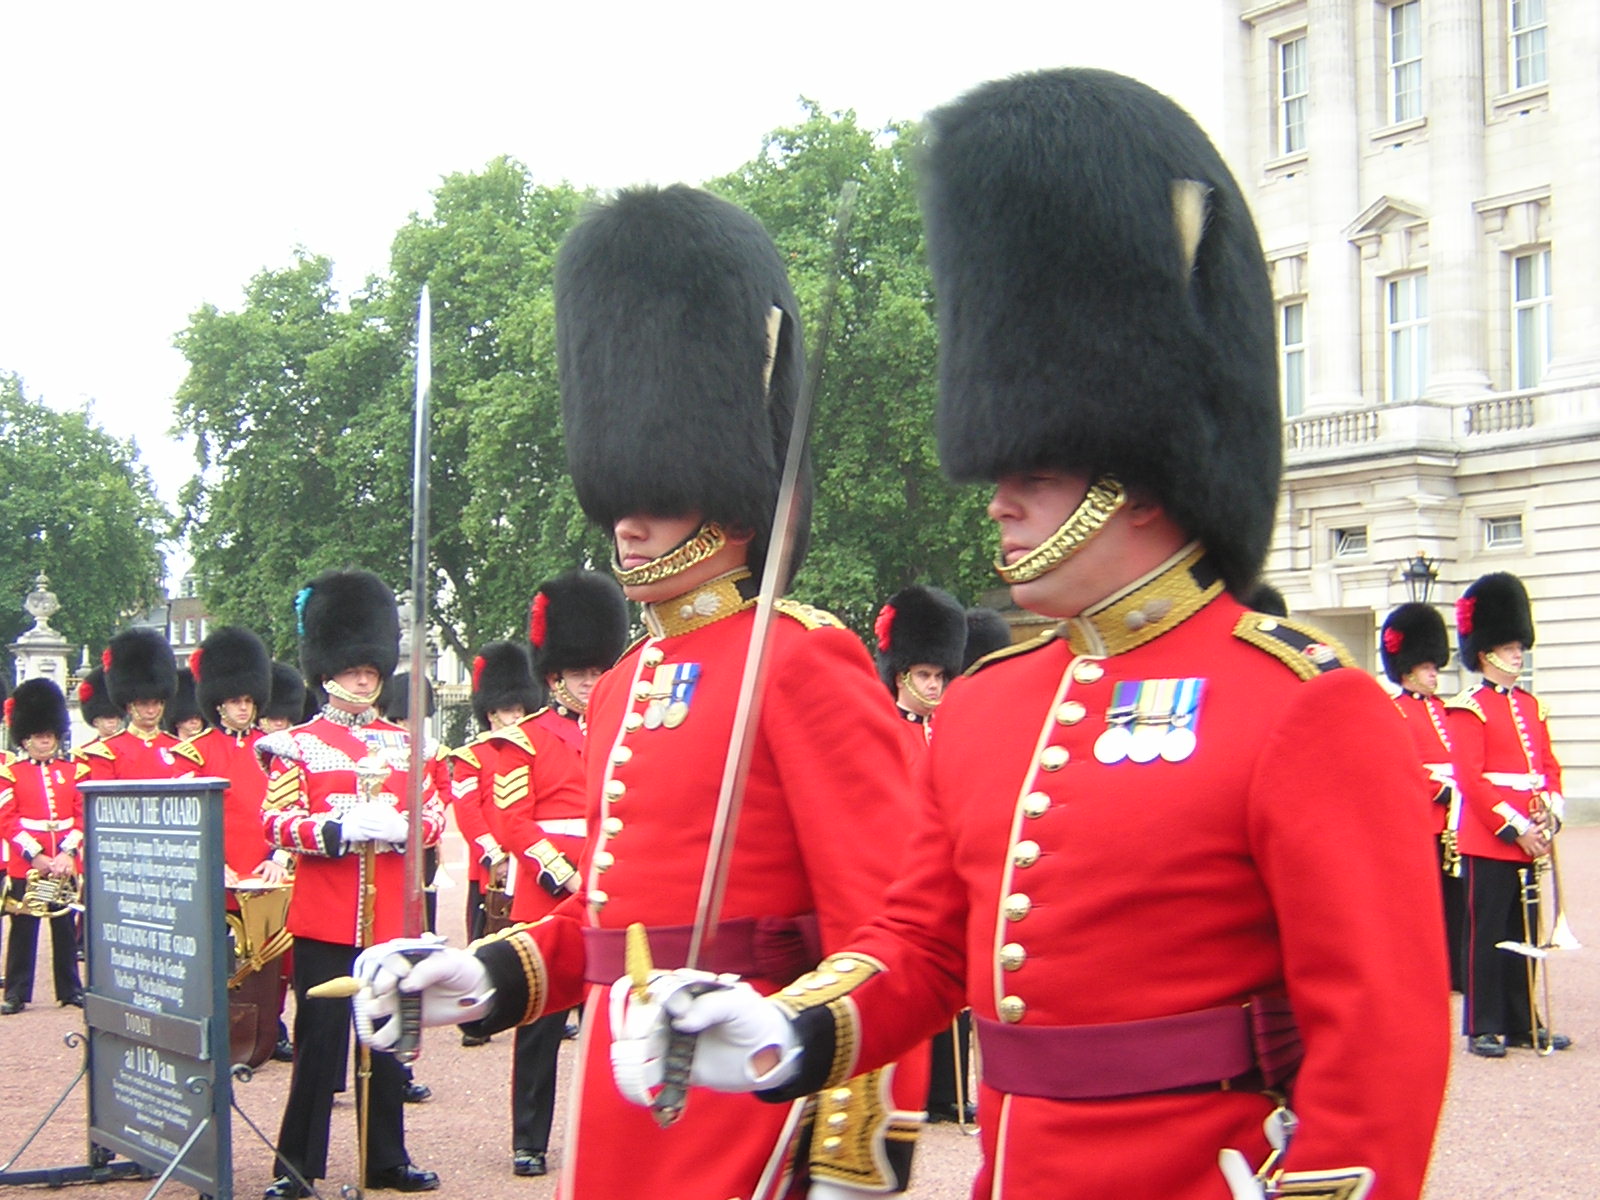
x: 1507, y: 834
x: 331, y: 834
x: 813, y: 1029
x: 510, y: 983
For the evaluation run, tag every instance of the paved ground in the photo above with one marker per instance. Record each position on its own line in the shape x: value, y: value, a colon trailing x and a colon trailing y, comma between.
x: 1520, y: 1127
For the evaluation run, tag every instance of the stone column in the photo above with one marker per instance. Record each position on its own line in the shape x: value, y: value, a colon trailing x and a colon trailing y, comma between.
x: 1573, y: 45
x: 1457, y: 324
x: 1333, y: 266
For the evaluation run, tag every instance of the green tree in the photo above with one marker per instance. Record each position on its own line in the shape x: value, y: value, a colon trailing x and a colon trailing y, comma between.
x: 75, y: 504
x: 885, y: 515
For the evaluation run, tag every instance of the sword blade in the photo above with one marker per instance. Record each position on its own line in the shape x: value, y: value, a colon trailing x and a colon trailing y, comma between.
x: 418, y: 697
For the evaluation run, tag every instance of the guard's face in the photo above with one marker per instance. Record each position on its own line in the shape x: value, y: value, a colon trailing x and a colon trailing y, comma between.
x: 189, y: 726
x: 238, y: 712
x: 500, y: 718
x: 642, y: 538
x: 360, y: 681
x: 272, y: 724
x: 146, y: 714
x: 1424, y: 678
x: 40, y: 746
x: 107, y: 726
x: 1503, y: 664
x: 580, y: 681
x: 921, y: 688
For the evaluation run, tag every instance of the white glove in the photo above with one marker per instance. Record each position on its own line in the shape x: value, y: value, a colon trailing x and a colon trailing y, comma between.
x: 826, y: 1189
x: 453, y: 984
x: 373, y: 822
x: 732, y: 1024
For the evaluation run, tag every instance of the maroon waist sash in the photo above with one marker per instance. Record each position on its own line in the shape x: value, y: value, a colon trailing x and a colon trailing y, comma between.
x: 780, y: 949
x: 1214, y: 1048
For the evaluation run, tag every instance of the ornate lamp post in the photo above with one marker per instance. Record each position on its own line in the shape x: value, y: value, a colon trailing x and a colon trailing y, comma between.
x: 1419, y: 577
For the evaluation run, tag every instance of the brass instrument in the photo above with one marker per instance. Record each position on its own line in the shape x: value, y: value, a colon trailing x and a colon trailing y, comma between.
x: 47, y: 896
x: 1540, y: 876
x: 258, y: 928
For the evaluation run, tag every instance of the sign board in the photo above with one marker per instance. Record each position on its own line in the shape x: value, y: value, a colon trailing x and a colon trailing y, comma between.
x: 157, y: 996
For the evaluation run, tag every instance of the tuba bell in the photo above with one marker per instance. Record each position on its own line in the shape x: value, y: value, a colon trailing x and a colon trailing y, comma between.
x: 47, y: 896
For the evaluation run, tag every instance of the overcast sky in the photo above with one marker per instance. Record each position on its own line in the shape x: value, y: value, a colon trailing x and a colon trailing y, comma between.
x: 155, y: 156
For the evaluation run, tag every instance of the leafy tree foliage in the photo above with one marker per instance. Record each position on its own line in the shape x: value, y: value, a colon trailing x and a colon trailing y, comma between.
x: 75, y: 504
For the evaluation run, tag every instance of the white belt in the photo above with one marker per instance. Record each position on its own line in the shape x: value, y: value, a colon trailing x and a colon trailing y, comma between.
x: 569, y: 827
x: 1525, y: 781
x: 41, y: 826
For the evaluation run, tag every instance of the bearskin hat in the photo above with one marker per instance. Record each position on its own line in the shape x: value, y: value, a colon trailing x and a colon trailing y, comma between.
x: 139, y: 665
x: 288, y: 698
x: 347, y: 619
x: 183, y: 705
x: 94, y: 698
x: 577, y: 619
x: 987, y: 632
x: 231, y: 662
x: 394, y: 702
x: 1413, y: 634
x: 1492, y: 611
x: 37, y: 706
x: 1103, y: 303
x: 1264, y: 598
x: 502, y: 677
x: 672, y: 400
x: 919, y: 625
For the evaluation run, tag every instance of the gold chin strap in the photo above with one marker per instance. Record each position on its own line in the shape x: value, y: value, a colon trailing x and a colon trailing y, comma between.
x: 707, y: 541
x: 338, y: 693
x: 930, y: 705
x: 1104, y: 497
x: 1500, y: 664
x: 564, y: 694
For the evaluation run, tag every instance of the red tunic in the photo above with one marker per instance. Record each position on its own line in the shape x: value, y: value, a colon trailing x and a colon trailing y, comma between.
x: 224, y: 755
x: 915, y: 733
x: 126, y: 755
x: 1286, y: 852
x: 41, y: 811
x: 824, y: 820
x: 1425, y: 718
x: 467, y: 763
x: 311, y: 781
x: 533, y: 793
x: 1503, y: 761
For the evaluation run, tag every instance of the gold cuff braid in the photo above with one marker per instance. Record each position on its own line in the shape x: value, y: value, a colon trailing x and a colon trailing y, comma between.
x: 710, y: 538
x: 1104, y: 497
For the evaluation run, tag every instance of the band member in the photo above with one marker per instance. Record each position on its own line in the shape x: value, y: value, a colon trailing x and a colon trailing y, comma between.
x: 1128, y: 820
x: 681, y: 359
x: 1511, y: 785
x: 41, y: 822
x: 1415, y: 646
x: 921, y: 634
x: 94, y: 704
x: 486, y: 860
x: 533, y: 802
x: 333, y: 784
x: 287, y: 703
x: 182, y: 717
x: 141, y: 676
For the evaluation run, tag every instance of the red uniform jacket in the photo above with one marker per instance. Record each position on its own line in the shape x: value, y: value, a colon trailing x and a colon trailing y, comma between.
x: 1063, y: 879
x: 224, y: 755
x: 533, y: 802
x: 41, y: 811
x: 467, y: 764
x: 915, y: 733
x: 820, y: 836
x: 311, y: 781
x: 1425, y: 718
x: 1503, y: 762
x: 126, y: 755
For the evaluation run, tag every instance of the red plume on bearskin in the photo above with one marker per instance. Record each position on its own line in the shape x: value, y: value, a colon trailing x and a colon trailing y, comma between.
x: 85, y: 692
x: 10, y: 705
x: 105, y: 659
x: 538, y: 617
x: 1393, y: 639
x: 924, y: 625
x: 577, y: 619
x: 1493, y: 611
x: 502, y: 677
x: 884, y: 627
x: 1464, y: 607
x: 477, y: 672
x: 1413, y: 634
x: 194, y: 662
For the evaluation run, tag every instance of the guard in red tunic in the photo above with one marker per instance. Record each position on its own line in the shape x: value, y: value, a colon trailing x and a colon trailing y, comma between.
x: 182, y: 717
x: 287, y: 703
x: 1127, y: 862
x: 1414, y: 646
x: 577, y: 629
x: 1511, y: 786
x: 41, y: 823
x: 921, y: 633
x: 681, y: 359
x: 94, y: 705
x: 333, y: 783
x: 141, y: 676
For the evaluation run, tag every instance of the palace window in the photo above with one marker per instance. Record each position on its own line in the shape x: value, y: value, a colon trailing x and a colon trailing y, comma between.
x: 1405, y: 61
x: 1501, y: 533
x: 1350, y: 542
x: 1294, y: 88
x: 1406, y: 324
x: 1530, y: 317
x: 1528, y: 43
x: 1292, y: 356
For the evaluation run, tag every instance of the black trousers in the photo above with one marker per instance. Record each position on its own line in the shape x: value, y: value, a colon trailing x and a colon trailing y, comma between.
x: 1496, y: 997
x: 321, y: 1054
x: 1455, y: 916
x: 23, y: 946
x: 475, y: 914
x: 533, y: 1081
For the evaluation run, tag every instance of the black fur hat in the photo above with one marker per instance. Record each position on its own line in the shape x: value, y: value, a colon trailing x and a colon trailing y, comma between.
x: 1264, y: 598
x: 140, y: 666
x: 919, y: 625
x: 502, y: 677
x: 94, y: 698
x: 663, y: 305
x: 1492, y: 611
x: 183, y: 706
x: 1413, y: 634
x: 987, y: 632
x: 37, y: 706
x: 287, y: 701
x: 347, y: 619
x: 1079, y: 329
x: 394, y: 702
x: 577, y: 619
x: 231, y: 662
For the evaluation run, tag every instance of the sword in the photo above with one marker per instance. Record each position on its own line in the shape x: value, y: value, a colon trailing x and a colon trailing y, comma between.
x: 747, y: 712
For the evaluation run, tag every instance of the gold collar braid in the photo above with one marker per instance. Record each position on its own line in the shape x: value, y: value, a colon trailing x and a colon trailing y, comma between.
x: 712, y: 601
x: 1104, y: 497
x: 706, y: 541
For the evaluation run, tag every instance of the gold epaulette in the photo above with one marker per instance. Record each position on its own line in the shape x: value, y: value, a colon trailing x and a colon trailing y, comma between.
x: 98, y: 749
x: 5, y: 769
x: 188, y: 750
x: 1011, y: 651
x: 807, y: 614
x: 516, y: 735
x: 1304, y: 649
x: 1466, y: 701
x: 1544, y: 709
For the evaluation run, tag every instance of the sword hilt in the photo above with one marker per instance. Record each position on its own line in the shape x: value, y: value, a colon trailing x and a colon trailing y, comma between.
x: 669, y: 1102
